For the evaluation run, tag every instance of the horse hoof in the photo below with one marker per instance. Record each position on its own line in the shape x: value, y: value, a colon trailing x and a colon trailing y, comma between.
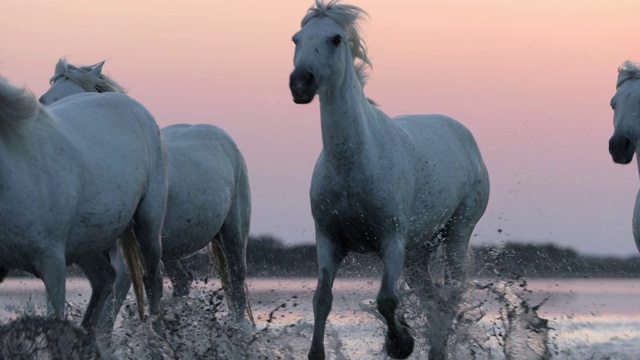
x: 316, y: 354
x: 154, y: 310
x: 400, y: 347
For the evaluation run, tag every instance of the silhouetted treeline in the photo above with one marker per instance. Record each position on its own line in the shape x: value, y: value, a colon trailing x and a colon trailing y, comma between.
x: 548, y: 260
x: 267, y: 256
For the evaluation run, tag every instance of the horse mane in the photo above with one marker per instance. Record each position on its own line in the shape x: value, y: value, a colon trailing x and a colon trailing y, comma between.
x: 348, y: 17
x: 18, y: 107
x: 81, y: 75
x: 628, y: 71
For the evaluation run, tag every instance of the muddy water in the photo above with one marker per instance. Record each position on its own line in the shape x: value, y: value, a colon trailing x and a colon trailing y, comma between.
x: 589, y: 319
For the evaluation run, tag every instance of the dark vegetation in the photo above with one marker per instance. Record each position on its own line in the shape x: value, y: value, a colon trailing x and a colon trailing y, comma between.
x: 267, y: 256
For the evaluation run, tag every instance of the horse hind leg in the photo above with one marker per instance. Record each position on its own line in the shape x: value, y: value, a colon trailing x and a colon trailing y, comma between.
x: 456, y: 254
x: 229, y: 250
x: 101, y: 276
x: 399, y: 342
x: 116, y: 297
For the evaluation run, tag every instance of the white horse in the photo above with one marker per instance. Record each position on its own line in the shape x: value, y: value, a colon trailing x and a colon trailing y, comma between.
x: 69, y: 79
x: 74, y: 177
x: 626, y: 123
x: 209, y: 197
x: 396, y: 187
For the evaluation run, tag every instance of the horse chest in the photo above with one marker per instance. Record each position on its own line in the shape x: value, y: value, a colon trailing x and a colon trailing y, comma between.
x: 355, y: 220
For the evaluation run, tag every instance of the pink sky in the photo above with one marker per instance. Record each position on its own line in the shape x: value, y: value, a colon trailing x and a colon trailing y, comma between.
x: 532, y: 80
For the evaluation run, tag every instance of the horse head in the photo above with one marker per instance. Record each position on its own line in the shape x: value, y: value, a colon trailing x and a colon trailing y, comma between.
x: 626, y: 114
x: 326, y: 47
x: 69, y: 80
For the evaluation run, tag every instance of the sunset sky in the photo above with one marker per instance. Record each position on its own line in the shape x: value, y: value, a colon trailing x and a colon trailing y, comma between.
x: 531, y: 79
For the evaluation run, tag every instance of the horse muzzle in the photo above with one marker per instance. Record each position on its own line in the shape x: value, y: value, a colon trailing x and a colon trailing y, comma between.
x: 621, y: 149
x: 303, y: 86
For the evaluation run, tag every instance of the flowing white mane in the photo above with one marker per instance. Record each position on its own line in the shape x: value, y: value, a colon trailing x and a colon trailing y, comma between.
x: 628, y: 71
x: 18, y: 106
x: 348, y: 17
x: 81, y: 75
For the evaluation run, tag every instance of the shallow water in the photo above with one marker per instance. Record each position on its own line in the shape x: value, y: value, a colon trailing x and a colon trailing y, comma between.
x: 589, y: 319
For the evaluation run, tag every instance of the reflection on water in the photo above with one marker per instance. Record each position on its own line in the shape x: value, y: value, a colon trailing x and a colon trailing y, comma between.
x: 590, y: 318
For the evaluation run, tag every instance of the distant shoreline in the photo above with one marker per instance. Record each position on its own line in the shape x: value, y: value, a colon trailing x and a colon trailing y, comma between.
x: 268, y: 257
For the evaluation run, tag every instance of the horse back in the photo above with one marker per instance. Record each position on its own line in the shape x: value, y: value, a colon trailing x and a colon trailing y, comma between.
x: 443, y: 142
x: 449, y: 168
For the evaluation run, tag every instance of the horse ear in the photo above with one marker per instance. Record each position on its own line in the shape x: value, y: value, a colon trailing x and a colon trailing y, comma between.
x: 96, y: 69
x: 61, y: 67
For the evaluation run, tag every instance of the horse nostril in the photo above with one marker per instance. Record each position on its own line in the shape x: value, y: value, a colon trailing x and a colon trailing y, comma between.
x: 626, y: 144
x: 309, y: 78
x: 301, y: 79
x: 41, y: 100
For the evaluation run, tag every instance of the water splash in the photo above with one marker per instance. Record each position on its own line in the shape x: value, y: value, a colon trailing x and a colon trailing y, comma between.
x: 524, y: 335
x: 494, y: 321
x: 34, y: 337
x: 196, y: 327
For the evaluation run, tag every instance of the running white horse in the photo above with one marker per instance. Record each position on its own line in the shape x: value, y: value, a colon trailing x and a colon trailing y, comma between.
x: 626, y: 122
x: 209, y: 197
x: 396, y: 187
x: 74, y: 177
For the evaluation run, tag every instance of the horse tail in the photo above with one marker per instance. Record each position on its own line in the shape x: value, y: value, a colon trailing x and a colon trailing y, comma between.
x: 216, y: 255
x: 249, y: 312
x: 128, y: 246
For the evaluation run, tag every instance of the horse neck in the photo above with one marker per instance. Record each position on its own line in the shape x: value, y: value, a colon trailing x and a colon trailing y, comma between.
x: 347, y: 118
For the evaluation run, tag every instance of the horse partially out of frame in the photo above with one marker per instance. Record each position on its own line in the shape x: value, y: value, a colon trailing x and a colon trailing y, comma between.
x: 626, y: 126
x: 74, y: 177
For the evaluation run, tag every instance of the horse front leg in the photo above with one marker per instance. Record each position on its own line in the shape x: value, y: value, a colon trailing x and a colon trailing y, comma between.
x: 3, y: 273
x: 52, y: 270
x: 329, y: 258
x: 636, y: 221
x: 399, y: 342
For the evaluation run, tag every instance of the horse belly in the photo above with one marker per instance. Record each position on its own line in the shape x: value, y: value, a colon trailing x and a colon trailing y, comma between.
x: 360, y: 237
x: 195, y: 214
x: 98, y: 229
x: 187, y: 235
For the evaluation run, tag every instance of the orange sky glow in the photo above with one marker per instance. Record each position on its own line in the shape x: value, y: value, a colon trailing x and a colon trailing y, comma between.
x: 532, y: 80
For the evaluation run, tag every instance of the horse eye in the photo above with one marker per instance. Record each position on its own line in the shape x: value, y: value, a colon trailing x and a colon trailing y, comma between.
x: 336, y: 40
